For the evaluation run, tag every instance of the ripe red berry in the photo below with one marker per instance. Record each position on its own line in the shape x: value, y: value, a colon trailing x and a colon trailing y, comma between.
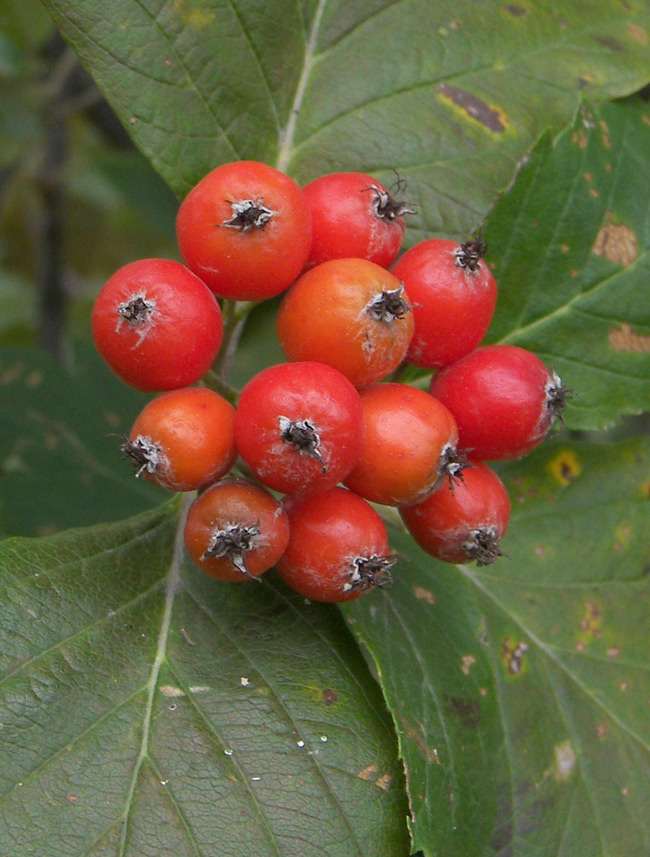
x: 453, y: 294
x: 184, y: 439
x: 245, y: 229
x: 410, y: 445
x: 349, y: 313
x: 235, y: 531
x: 157, y: 325
x: 354, y: 216
x: 504, y: 400
x: 298, y: 427
x: 338, y: 547
x: 465, y: 524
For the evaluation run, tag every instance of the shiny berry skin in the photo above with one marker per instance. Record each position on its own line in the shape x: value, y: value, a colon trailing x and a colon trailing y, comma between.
x: 338, y: 547
x: 465, y: 524
x: 409, y: 447
x: 353, y: 215
x: 349, y: 313
x: 504, y: 400
x: 245, y: 229
x: 236, y: 531
x: 157, y: 325
x: 183, y: 440
x: 299, y: 427
x: 453, y: 294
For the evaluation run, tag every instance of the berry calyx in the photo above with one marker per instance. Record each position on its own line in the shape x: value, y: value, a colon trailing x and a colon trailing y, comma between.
x: 233, y: 542
x: 469, y: 254
x: 248, y: 214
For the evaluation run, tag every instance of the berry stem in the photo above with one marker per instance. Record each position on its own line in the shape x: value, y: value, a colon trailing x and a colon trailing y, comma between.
x: 235, y: 314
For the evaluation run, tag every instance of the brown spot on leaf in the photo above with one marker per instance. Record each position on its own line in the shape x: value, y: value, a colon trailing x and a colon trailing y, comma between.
x: 579, y: 138
x: 601, y: 731
x: 512, y: 654
x: 581, y: 647
x: 606, y: 140
x: 646, y: 119
x: 617, y: 242
x: 424, y: 594
x: 384, y: 781
x: 517, y: 11
x: 565, y: 467
x: 624, y: 685
x: 638, y: 33
x: 468, y: 662
x: 540, y: 550
x: 329, y: 697
x: 466, y: 710
x: 590, y: 622
x: 565, y: 761
x: 623, y: 338
x: 609, y: 42
x: 417, y: 736
x: 474, y: 107
x: 594, y: 192
x: 587, y: 176
x: 368, y: 773
x: 613, y: 652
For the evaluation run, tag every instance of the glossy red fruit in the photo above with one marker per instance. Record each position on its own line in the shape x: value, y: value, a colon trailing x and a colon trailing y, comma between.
x: 354, y: 215
x: 465, y: 524
x: 453, y: 294
x: 157, y: 325
x: 351, y: 314
x: 504, y: 400
x: 184, y: 439
x: 245, y: 229
x: 236, y: 531
x: 410, y: 446
x: 338, y: 548
x: 299, y: 427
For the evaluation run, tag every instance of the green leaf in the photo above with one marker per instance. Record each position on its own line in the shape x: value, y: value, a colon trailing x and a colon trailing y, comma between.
x: 520, y: 691
x: 148, y: 709
x: 451, y: 94
x: 60, y: 464
x: 570, y: 248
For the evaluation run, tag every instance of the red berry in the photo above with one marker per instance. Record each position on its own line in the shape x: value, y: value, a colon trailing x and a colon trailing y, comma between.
x: 409, y: 446
x: 453, y: 294
x: 298, y: 427
x: 349, y: 313
x: 246, y: 230
x: 504, y: 400
x: 465, y: 524
x: 353, y: 215
x: 338, y: 547
x: 184, y: 439
x: 235, y: 531
x: 157, y: 325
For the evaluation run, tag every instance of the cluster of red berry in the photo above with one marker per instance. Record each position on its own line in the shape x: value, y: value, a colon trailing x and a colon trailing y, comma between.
x: 332, y: 414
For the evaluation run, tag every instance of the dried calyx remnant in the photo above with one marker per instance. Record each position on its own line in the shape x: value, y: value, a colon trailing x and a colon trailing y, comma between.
x: 303, y: 436
x: 233, y: 541
x: 451, y: 463
x: 385, y: 206
x: 368, y: 572
x: 469, y: 254
x: 388, y: 306
x: 248, y: 214
x: 482, y: 545
x: 146, y: 454
x: 556, y: 398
